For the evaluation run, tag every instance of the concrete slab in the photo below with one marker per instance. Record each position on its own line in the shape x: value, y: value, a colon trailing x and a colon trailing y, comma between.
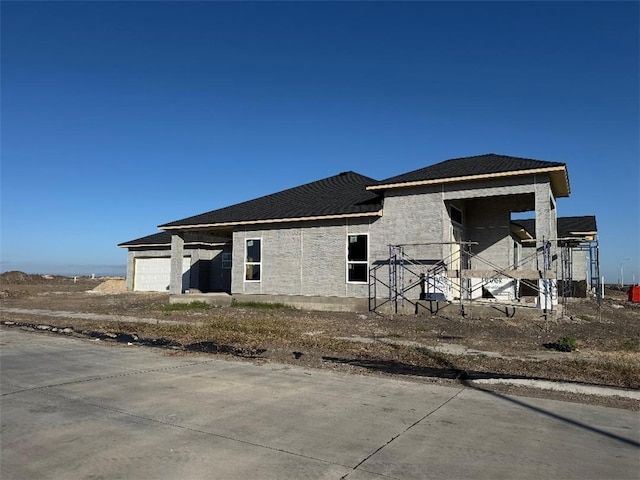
x: 78, y: 409
x: 524, y: 438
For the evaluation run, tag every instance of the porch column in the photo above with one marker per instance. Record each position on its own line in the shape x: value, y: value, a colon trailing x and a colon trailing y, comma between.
x: 546, y: 222
x: 131, y: 260
x: 546, y: 239
x: 177, y: 252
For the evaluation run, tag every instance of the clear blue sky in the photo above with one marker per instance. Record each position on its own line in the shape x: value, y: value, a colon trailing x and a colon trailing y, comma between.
x: 120, y: 116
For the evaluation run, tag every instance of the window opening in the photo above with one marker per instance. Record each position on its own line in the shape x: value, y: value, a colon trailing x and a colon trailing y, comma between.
x: 226, y: 261
x: 253, y: 260
x: 358, y: 258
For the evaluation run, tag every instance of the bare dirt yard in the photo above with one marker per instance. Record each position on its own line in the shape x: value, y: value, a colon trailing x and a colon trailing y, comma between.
x: 588, y: 345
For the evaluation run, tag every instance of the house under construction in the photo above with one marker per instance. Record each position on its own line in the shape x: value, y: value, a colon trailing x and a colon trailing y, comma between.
x: 445, y: 233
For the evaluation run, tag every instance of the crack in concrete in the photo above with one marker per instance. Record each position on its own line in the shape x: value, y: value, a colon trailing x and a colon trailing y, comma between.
x: 402, y: 433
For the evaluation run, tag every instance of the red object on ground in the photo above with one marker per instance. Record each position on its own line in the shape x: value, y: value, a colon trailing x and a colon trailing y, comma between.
x: 634, y: 294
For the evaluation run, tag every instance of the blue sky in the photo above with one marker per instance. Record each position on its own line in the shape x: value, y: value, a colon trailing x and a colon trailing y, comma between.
x: 120, y: 116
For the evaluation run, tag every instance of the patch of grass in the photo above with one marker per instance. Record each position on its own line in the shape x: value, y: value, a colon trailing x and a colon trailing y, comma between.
x: 613, y: 368
x: 567, y: 343
x: 182, y: 307
x: 261, y: 305
x: 423, y: 350
x: 333, y: 345
x: 630, y: 344
x: 587, y: 318
x: 237, y: 333
x: 564, y: 344
x: 252, y: 327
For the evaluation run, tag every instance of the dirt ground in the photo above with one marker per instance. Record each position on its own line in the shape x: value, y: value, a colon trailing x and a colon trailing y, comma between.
x: 440, y: 348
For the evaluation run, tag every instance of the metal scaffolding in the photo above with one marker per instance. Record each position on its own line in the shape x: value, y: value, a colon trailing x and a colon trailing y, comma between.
x: 568, y: 247
x: 439, y: 282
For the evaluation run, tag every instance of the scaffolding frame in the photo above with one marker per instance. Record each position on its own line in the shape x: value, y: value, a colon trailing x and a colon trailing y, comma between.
x: 406, y: 273
x: 592, y: 249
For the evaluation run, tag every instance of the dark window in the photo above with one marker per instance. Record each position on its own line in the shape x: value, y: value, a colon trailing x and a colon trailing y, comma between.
x: 252, y: 272
x: 253, y: 251
x: 357, y: 258
x: 252, y: 260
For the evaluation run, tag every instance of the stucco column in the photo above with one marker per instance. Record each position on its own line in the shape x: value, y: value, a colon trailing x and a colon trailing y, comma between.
x: 545, y: 219
x: 131, y: 258
x: 177, y: 252
x: 546, y: 238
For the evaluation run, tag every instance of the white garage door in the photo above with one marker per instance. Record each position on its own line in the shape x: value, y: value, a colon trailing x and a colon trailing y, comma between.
x: 153, y: 274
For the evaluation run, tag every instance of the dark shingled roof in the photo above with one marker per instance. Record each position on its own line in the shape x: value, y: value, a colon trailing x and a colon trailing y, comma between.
x: 338, y: 195
x: 567, y: 226
x: 490, y: 163
x: 164, y: 238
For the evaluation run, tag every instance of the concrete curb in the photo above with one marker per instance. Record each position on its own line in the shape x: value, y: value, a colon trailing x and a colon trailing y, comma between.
x: 88, y: 316
x: 561, y: 387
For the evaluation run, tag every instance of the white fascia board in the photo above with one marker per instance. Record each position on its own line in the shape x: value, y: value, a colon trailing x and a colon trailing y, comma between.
x: 468, y: 178
x: 274, y: 220
x: 189, y: 244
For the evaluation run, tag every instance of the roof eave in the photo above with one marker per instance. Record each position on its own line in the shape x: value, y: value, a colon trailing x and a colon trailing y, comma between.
x: 130, y: 245
x: 521, y: 232
x: 559, y: 179
x: 560, y: 182
x: 377, y: 213
x: 186, y: 244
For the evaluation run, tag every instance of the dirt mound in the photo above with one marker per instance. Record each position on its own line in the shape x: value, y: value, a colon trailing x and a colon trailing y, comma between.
x: 112, y: 286
x: 20, y: 278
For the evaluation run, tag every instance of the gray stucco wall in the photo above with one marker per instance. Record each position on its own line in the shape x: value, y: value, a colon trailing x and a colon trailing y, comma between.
x: 300, y: 259
x: 580, y: 261
x: 529, y: 256
x: 412, y: 216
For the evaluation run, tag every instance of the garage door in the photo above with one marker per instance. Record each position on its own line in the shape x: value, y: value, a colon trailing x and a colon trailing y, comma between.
x: 153, y: 274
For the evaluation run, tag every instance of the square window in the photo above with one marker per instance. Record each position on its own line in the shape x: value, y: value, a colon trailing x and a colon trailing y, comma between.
x: 252, y: 272
x: 357, y: 272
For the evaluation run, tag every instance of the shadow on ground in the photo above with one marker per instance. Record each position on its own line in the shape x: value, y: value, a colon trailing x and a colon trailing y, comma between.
x: 465, y: 377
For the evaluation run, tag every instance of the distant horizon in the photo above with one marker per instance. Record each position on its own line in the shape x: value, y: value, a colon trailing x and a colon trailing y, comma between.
x: 70, y: 271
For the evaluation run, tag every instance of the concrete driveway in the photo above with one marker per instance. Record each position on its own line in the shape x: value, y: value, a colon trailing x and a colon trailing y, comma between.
x: 77, y: 409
